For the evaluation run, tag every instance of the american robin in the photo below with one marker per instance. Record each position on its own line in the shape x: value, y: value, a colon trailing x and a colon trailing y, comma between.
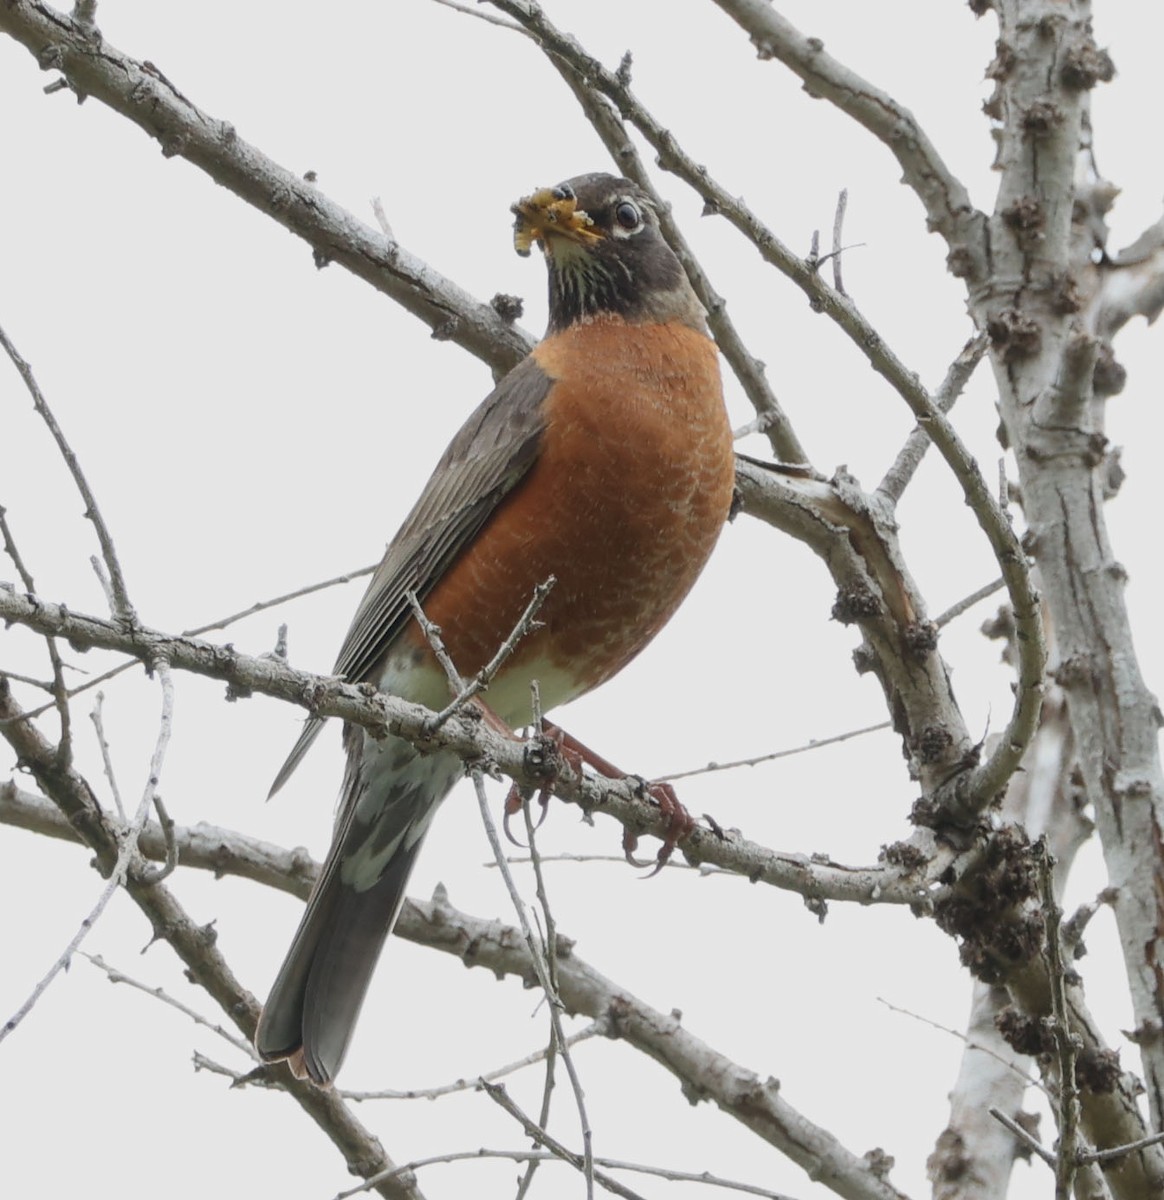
x: 603, y: 459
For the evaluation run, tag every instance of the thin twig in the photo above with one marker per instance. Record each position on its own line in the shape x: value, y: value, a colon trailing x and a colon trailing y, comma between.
x: 122, y: 609
x: 582, y: 1162
x: 432, y: 635
x: 838, y: 225
x: 221, y: 623
x: 469, y: 1085
x: 1076, y: 925
x: 1066, y: 1048
x: 614, y: 1164
x: 98, y: 719
x: 525, y: 624
x: 1027, y: 1139
x: 550, y: 940
x: 541, y: 969
x: 151, y: 875
x: 1115, y: 1152
x: 159, y: 993
x: 41, y: 685
x: 909, y: 457
x: 969, y: 1042
x: 487, y: 17
x: 262, y: 605
x: 382, y: 218
x: 813, y: 744
x: 127, y: 851
x: 60, y: 694
x: 968, y: 602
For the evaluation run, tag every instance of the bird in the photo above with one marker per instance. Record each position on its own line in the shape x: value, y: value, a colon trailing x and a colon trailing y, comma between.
x: 603, y: 460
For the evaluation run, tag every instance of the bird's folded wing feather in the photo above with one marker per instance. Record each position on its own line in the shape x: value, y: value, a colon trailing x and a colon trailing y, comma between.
x: 488, y: 457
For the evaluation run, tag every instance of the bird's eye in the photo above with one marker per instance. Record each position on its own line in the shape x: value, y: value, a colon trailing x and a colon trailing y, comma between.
x: 627, y: 215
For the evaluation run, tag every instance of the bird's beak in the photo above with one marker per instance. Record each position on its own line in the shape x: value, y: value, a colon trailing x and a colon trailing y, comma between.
x: 550, y: 214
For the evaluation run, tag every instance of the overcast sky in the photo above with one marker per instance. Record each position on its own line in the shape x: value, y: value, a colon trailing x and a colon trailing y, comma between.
x: 251, y: 424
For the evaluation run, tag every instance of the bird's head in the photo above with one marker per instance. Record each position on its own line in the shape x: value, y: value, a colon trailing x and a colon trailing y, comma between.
x: 605, y: 253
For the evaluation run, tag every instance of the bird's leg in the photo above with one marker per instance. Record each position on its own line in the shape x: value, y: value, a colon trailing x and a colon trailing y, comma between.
x: 576, y: 754
x: 679, y: 821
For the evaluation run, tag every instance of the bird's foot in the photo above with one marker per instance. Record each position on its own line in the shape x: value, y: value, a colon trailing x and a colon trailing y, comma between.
x: 547, y: 751
x: 679, y: 824
x: 679, y: 821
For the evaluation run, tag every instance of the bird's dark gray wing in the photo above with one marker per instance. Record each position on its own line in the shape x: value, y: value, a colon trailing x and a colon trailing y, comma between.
x: 490, y: 454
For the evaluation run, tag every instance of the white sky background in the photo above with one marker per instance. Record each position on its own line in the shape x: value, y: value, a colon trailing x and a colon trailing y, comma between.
x: 251, y: 424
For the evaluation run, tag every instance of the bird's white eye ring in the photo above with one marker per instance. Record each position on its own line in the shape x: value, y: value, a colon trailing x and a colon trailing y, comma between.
x: 627, y: 215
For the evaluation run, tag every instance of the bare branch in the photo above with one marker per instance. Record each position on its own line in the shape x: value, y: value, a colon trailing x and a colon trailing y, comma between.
x: 126, y: 853
x: 526, y: 623
x: 976, y: 786
x: 194, y: 944
x: 96, y: 716
x: 60, y: 694
x: 143, y: 94
x: 838, y: 225
x: 538, y: 1156
x: 968, y: 602
x: 909, y: 458
x: 815, y: 744
x: 500, y: 949
x: 331, y: 697
x: 263, y: 605
x: 594, y: 1029
x: 946, y: 201
x: 489, y: 18
x: 537, y: 953
x: 158, y: 993
x: 1067, y: 1109
x: 1032, y: 1143
x: 122, y: 609
x: 582, y: 1162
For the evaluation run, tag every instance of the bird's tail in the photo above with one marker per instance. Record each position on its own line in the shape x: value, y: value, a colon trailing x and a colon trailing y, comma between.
x: 316, y: 998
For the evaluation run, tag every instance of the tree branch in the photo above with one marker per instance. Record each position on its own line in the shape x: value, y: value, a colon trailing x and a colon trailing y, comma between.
x: 194, y: 945
x: 141, y: 93
x: 500, y: 949
x: 474, y: 742
x: 944, y: 197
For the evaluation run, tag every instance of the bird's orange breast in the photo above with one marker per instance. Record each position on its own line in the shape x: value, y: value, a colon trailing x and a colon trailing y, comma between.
x: 632, y: 484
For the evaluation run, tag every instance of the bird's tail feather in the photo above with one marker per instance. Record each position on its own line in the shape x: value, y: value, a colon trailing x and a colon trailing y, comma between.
x: 320, y: 988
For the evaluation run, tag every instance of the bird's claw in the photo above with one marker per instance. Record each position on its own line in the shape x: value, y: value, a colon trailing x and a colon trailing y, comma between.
x: 513, y: 802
